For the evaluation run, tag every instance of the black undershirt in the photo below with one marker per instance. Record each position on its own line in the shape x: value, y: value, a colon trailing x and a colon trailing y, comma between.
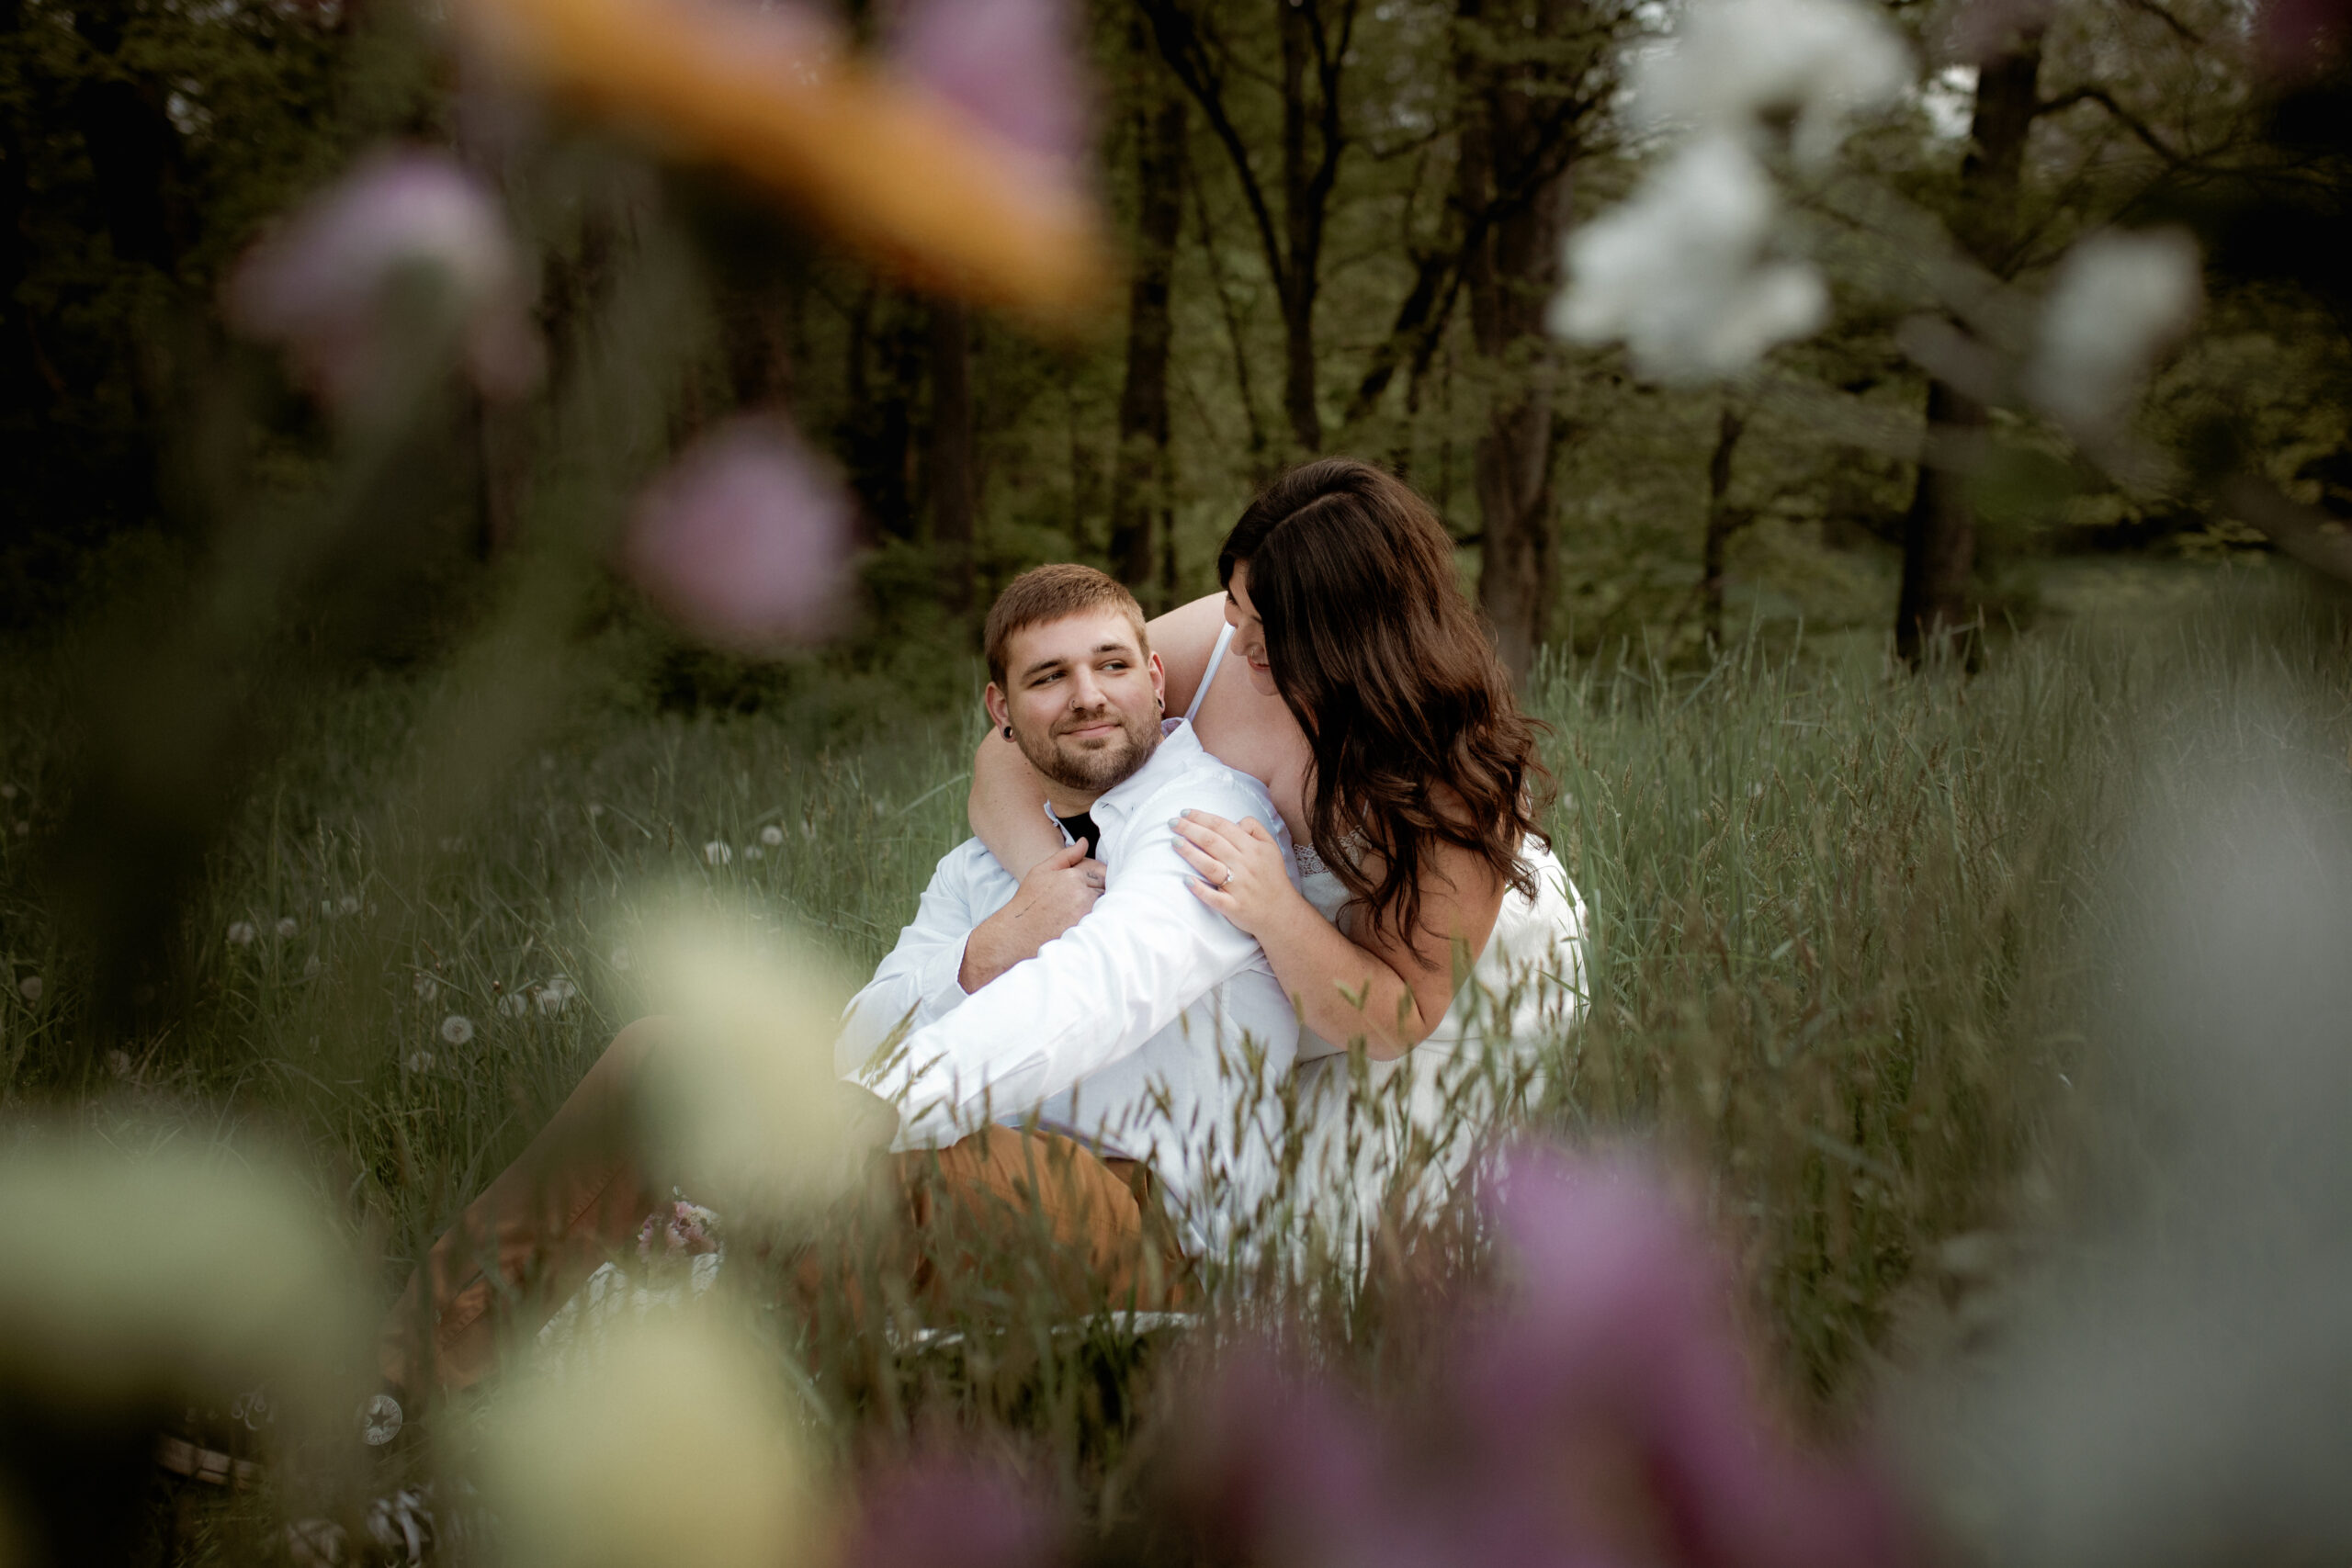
x: 1082, y: 825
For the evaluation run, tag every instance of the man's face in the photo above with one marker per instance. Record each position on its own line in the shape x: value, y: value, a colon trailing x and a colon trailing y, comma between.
x: 1083, y: 699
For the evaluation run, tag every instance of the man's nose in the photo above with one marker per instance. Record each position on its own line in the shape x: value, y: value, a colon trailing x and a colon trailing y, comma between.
x: 1085, y: 691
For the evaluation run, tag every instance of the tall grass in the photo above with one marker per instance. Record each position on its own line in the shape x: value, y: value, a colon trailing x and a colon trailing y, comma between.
x: 1844, y: 916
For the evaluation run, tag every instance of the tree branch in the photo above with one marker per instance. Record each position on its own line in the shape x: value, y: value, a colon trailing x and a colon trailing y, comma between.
x: 2105, y: 100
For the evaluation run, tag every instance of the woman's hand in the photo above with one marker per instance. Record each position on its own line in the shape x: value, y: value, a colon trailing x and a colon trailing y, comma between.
x: 1244, y: 872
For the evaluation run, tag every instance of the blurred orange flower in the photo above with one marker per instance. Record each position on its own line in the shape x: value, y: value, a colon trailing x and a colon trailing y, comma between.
x: 893, y: 169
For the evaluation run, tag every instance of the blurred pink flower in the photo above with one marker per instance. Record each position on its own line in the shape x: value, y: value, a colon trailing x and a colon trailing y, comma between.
x: 682, y: 1228
x: 321, y: 284
x: 2294, y: 38
x: 1597, y: 1412
x: 1008, y: 64
x: 746, y: 540
x: 954, y: 1508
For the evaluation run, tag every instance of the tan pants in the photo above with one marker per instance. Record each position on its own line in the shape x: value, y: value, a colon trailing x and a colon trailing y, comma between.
x: 579, y: 1195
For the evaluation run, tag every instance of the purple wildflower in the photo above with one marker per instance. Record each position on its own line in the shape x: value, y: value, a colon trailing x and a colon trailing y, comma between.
x: 746, y: 540
x: 1008, y: 64
x: 321, y: 284
x: 954, y: 1508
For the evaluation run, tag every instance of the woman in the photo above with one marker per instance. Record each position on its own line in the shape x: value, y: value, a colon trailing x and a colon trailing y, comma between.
x: 1367, y: 699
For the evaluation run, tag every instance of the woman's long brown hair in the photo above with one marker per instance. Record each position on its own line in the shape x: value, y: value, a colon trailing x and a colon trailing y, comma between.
x: 1416, y: 736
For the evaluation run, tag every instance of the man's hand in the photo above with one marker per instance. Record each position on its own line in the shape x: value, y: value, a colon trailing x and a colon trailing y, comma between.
x: 1053, y: 896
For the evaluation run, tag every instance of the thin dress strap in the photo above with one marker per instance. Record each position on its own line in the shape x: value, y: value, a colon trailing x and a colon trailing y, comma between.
x: 1217, y: 657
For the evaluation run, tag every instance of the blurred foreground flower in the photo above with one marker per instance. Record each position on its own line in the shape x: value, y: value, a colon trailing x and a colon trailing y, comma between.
x: 329, y: 284
x: 1008, y: 64
x: 129, y: 1281
x: 946, y: 198
x: 242, y: 933
x: 1739, y: 65
x: 1677, y: 272
x: 746, y: 542
x: 2119, y: 301
x: 742, y: 1101
x: 952, y: 1508
x: 1601, y: 1414
x: 667, y: 1446
x: 458, y: 1029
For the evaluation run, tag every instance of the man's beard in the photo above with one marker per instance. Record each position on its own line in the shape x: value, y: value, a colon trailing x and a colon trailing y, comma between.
x: 1100, y: 768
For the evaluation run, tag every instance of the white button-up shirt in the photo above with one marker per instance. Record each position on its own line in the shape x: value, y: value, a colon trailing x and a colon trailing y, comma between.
x: 1153, y: 1028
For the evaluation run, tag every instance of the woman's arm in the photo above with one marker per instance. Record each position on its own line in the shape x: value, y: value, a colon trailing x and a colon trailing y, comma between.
x: 1007, y: 792
x: 1387, y: 991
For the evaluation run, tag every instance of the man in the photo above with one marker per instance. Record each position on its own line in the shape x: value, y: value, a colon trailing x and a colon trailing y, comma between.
x: 1148, y: 1029
x: 1082, y: 1046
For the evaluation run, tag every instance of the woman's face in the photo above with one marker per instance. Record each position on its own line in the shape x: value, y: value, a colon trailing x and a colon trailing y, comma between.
x: 1249, y: 631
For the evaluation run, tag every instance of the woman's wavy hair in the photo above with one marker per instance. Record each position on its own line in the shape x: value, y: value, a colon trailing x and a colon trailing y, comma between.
x: 1389, y: 670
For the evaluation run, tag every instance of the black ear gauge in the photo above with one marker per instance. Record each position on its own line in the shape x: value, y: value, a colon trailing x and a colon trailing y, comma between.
x: 1008, y: 732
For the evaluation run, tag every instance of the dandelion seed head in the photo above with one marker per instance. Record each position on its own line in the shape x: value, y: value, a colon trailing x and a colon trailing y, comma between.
x: 771, y: 835
x: 29, y: 987
x: 288, y: 927
x: 753, y: 851
x: 515, y: 1004
x: 348, y: 904
x: 2119, y: 301
x: 717, y: 853
x: 427, y: 987
x: 457, y: 1029
x: 310, y: 967
x: 242, y: 933
x: 418, y: 1061
x: 555, y: 994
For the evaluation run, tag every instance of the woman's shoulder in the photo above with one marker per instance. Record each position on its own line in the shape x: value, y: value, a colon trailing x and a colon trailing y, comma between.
x: 1184, y: 637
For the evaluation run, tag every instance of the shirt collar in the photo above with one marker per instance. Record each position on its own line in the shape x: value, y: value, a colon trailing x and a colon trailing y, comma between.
x: 1178, y: 745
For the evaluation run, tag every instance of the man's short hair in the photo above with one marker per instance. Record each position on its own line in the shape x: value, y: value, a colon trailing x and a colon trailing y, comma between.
x: 1047, y: 593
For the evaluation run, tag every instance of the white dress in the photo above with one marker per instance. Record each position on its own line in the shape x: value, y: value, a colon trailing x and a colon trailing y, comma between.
x: 1389, y: 1141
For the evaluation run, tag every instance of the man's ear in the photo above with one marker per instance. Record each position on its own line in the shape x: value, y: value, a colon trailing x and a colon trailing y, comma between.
x: 1158, y: 680
x: 999, y: 711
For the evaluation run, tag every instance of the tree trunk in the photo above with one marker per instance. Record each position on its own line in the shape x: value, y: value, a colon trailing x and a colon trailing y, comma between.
x: 1139, y: 488
x: 1940, y: 540
x: 1722, y: 522
x: 1303, y: 223
x: 1510, y: 268
x: 954, y: 497
x: 1939, y: 530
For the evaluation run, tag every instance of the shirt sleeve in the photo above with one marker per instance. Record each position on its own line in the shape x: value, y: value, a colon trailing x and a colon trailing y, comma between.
x: 916, y: 984
x: 1146, y: 951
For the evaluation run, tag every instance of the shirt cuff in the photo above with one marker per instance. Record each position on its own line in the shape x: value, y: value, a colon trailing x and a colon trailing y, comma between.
x: 943, y: 991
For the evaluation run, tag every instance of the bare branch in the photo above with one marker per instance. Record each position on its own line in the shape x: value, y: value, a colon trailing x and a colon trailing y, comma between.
x: 2129, y: 120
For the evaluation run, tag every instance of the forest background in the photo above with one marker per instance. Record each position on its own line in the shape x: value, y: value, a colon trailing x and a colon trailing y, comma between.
x: 1343, y: 226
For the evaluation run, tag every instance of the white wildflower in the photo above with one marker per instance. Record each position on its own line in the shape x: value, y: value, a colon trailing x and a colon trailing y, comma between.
x: 1739, y: 65
x: 622, y: 958
x: 288, y: 927
x: 513, y: 1004
x: 717, y: 853
x: 771, y: 835
x: 418, y: 1061
x: 1677, y: 272
x: 30, y: 988
x: 555, y: 994
x: 2119, y: 301
x: 348, y: 904
x: 595, y: 809
x: 753, y: 851
x: 427, y: 987
x: 457, y: 1029
x: 242, y: 933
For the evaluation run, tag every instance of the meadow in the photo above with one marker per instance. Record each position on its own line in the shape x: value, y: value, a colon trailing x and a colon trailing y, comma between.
x: 1850, y: 930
